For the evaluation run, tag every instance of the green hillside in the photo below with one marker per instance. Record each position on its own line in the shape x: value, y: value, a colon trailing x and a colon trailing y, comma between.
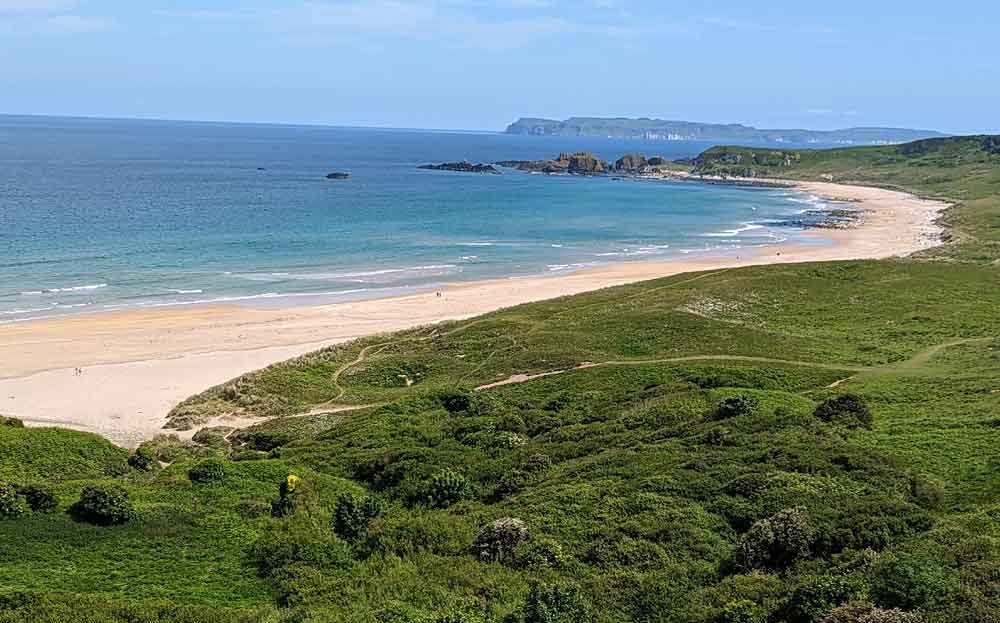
x: 792, y: 443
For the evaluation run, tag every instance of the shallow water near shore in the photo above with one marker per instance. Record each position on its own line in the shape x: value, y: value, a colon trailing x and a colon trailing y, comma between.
x: 99, y: 215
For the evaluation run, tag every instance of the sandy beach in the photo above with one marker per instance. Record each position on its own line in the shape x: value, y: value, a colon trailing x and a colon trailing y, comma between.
x: 119, y: 373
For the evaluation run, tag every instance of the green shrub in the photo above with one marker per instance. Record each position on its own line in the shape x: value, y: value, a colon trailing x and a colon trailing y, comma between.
x: 352, y: 513
x: 298, y: 541
x: 207, y: 471
x: 926, y: 492
x: 735, y: 406
x: 499, y: 539
x: 556, y: 603
x: 913, y: 582
x: 446, y: 488
x: 864, y: 612
x: 12, y: 422
x: 40, y: 498
x: 143, y: 459
x: 294, y: 494
x: 845, y: 410
x: 457, y: 615
x: 538, y: 554
x: 778, y: 541
x: 742, y: 611
x: 456, y: 400
x: 818, y: 595
x: 103, y: 505
x: 536, y: 463
x: 265, y: 440
x: 12, y: 503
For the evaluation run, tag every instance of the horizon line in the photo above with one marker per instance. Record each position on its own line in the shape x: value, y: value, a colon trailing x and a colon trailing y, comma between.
x: 319, y: 124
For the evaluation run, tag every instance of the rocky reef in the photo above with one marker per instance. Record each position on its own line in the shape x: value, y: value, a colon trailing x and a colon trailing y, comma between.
x: 462, y: 167
x: 579, y: 163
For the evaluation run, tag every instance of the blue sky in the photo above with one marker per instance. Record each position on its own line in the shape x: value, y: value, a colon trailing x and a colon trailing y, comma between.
x: 474, y: 64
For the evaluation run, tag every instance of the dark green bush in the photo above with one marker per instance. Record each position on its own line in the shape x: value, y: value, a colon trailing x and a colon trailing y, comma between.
x: 818, y: 595
x: 778, y: 541
x: 540, y: 554
x: 12, y: 422
x: 265, y: 440
x: 913, y: 582
x: 299, y: 541
x: 735, y: 406
x: 12, y: 503
x: 353, y: 512
x: 294, y: 495
x: 446, y: 488
x: 556, y: 603
x: 456, y: 400
x: 742, y: 611
x: 143, y: 459
x: 499, y: 539
x: 207, y: 471
x: 103, y: 505
x: 848, y: 410
x: 536, y: 463
x: 40, y: 498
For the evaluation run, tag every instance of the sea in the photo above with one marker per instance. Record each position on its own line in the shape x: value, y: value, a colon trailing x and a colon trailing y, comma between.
x: 101, y: 215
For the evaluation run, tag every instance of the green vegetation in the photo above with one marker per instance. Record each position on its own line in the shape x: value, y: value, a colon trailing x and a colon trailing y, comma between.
x: 795, y: 443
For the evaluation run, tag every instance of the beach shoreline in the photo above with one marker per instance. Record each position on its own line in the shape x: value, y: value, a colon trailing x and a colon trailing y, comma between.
x: 119, y: 373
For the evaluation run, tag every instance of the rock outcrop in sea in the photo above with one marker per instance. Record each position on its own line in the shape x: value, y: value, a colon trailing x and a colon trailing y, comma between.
x: 463, y: 167
x: 631, y: 163
x: 579, y: 163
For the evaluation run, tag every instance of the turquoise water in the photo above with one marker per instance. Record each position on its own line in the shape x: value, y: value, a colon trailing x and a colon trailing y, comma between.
x: 100, y: 215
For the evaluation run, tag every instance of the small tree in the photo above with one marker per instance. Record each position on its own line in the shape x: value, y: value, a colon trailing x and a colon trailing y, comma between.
x: 12, y: 503
x: 446, y: 488
x: 778, y: 541
x: 103, y: 505
x: 846, y: 410
x: 498, y: 539
x: 143, y: 459
x: 11, y: 422
x: 555, y: 603
x: 352, y: 514
x: 208, y: 471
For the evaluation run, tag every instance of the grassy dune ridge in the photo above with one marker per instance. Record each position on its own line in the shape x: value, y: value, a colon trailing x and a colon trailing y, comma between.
x: 683, y: 473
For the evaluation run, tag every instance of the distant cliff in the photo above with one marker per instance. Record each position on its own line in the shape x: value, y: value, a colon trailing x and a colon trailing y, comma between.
x: 658, y: 129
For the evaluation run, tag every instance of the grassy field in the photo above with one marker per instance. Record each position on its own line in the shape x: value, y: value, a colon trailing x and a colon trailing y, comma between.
x: 675, y: 450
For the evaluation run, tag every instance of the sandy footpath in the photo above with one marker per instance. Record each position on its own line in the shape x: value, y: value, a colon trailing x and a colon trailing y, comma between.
x: 136, y: 365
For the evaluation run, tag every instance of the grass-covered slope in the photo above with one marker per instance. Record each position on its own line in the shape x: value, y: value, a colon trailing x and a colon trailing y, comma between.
x: 797, y: 443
